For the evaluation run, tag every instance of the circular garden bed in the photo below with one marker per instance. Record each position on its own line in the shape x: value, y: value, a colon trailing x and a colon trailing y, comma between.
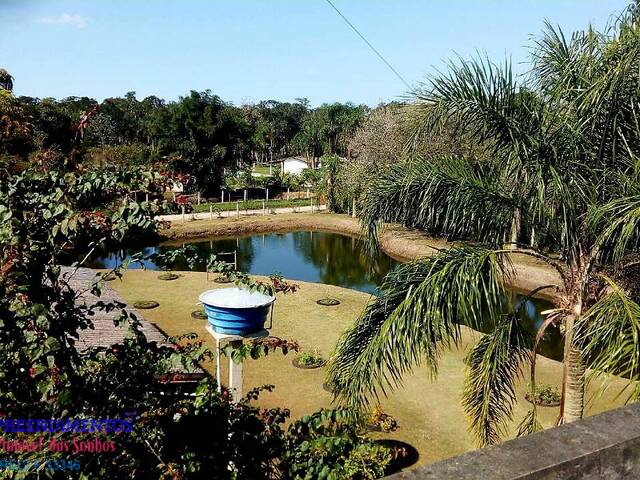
x: 327, y: 387
x: 308, y: 363
x: 199, y: 315
x: 222, y: 279
x: 328, y: 302
x: 168, y: 276
x: 403, y: 455
x: 146, y: 304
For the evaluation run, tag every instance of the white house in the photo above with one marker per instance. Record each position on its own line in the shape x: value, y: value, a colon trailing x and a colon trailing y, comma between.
x: 290, y: 165
x: 294, y: 165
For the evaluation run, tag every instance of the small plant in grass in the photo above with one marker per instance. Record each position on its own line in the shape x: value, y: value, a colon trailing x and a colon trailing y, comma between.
x: 544, y: 395
x: 367, y: 461
x: 381, y: 420
x: 225, y: 277
x: 310, y: 359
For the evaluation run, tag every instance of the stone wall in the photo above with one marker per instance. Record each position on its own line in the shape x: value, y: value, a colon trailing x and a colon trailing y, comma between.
x: 604, y: 446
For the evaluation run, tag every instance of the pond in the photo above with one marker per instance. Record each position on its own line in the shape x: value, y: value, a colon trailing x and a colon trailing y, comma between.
x: 320, y: 257
x: 312, y: 256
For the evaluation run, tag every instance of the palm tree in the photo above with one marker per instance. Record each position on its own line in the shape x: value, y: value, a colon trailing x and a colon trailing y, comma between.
x: 562, y: 165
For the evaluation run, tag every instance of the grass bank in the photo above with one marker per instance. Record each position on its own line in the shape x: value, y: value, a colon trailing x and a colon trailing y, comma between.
x: 251, y: 205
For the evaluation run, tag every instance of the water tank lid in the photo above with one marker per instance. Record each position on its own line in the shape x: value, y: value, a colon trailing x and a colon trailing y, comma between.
x: 235, y: 298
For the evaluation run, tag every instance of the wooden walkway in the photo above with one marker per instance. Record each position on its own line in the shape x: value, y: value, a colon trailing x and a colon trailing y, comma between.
x: 105, y: 333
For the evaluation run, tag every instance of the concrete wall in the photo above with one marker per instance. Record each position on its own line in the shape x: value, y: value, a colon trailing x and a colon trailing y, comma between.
x: 605, y: 446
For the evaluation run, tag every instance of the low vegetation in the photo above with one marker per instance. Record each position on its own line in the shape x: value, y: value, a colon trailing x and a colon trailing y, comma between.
x: 310, y: 359
x: 251, y: 205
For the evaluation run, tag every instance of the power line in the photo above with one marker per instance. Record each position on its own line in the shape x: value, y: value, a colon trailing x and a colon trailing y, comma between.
x: 369, y: 45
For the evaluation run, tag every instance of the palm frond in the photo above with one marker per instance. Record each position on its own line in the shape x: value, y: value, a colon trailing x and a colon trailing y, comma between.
x: 416, y: 316
x: 450, y: 196
x: 493, y: 367
x: 529, y: 424
x: 609, y: 336
x: 615, y: 227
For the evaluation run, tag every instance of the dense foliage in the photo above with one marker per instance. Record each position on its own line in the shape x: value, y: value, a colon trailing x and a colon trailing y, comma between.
x: 200, y: 134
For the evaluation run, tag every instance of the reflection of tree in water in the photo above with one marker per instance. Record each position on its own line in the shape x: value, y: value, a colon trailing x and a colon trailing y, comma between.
x: 342, y: 260
x: 243, y: 246
x: 552, y: 344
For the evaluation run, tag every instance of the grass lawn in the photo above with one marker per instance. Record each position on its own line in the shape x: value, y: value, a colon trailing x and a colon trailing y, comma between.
x: 262, y: 170
x: 252, y: 205
x: 428, y: 412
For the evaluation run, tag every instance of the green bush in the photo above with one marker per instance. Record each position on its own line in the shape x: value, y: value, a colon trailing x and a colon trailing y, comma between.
x: 544, y: 395
x: 326, y: 445
x: 367, y: 461
x: 310, y: 358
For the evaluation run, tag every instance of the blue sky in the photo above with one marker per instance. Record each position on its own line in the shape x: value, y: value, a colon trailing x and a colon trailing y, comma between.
x: 250, y: 50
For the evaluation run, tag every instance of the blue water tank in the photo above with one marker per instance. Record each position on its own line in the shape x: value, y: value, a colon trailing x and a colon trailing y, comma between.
x: 236, y: 311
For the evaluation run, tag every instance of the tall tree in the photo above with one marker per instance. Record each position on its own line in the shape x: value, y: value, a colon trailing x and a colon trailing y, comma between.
x: 202, y: 134
x: 563, y: 150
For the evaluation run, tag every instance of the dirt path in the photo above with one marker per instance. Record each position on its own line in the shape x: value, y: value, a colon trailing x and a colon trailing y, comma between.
x: 396, y: 241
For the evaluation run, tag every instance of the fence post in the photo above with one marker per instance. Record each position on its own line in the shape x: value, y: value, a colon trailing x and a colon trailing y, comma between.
x: 267, y: 194
x: 307, y: 193
x: 264, y: 208
x: 245, y: 194
x: 312, y: 205
x: 353, y: 210
x: 198, y: 198
x: 183, y: 220
x: 222, y: 196
x: 238, y: 208
x: 211, y: 212
x: 287, y: 193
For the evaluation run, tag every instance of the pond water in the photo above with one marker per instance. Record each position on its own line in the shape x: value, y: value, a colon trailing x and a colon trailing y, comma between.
x: 321, y: 257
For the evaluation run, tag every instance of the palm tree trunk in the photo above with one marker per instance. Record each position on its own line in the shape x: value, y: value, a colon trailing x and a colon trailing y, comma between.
x: 574, y: 393
x: 515, y: 228
x: 572, y: 404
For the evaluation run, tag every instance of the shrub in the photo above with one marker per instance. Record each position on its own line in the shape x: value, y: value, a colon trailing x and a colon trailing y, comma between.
x: 544, y: 395
x: 326, y: 445
x: 367, y: 461
x: 384, y: 421
x: 310, y: 358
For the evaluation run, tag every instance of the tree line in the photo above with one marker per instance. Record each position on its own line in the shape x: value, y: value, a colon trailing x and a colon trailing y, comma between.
x: 199, y: 134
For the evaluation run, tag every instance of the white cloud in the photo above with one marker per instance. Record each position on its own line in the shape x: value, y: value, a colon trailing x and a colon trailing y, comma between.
x: 71, y: 19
